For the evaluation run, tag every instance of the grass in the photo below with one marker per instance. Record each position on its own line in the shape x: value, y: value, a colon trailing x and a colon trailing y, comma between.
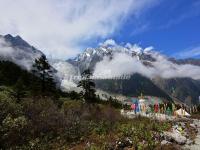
x: 144, y: 133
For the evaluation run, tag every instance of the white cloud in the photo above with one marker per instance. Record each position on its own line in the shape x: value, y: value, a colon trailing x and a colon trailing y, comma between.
x: 125, y: 64
x: 166, y: 69
x: 23, y: 58
x: 135, y: 47
x: 192, y: 52
x: 121, y: 64
x: 65, y: 72
x: 59, y: 26
x: 109, y: 42
x: 5, y: 49
x: 148, y: 49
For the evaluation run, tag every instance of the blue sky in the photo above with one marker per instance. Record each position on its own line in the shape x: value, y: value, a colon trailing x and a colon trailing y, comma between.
x: 64, y: 28
x: 172, y: 27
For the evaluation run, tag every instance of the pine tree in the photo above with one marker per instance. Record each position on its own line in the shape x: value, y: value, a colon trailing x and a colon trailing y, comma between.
x: 42, y: 69
x: 88, y: 87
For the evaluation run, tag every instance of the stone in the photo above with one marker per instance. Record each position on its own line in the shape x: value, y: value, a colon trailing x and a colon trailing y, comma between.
x: 189, y: 142
x: 174, y: 136
x: 164, y: 142
x: 192, y: 125
x: 182, y: 125
x: 196, y: 122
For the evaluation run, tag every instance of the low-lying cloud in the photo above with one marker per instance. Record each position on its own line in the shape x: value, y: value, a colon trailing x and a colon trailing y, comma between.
x: 64, y: 71
x: 123, y: 64
x: 24, y: 58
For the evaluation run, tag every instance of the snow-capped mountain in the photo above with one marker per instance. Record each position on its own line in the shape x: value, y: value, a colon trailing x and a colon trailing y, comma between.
x: 130, y: 59
x: 91, y: 56
x: 150, y: 70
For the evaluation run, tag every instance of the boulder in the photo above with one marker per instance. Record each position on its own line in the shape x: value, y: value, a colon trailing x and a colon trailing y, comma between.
x: 182, y: 125
x: 189, y: 142
x: 192, y: 125
x: 164, y: 142
x: 175, y: 136
x: 197, y: 123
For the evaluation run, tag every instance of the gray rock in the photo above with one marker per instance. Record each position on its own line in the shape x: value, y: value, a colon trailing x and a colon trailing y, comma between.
x: 192, y: 125
x: 164, y: 142
x: 174, y: 136
x: 197, y: 123
x: 189, y: 142
x: 182, y: 125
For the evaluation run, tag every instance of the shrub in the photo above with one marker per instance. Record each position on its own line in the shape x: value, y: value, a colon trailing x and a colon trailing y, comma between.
x: 13, y: 131
x: 8, y: 104
x: 45, y: 117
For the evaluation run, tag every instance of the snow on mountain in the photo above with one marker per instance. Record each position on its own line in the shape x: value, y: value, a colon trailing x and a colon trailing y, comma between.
x: 112, y: 59
x: 109, y: 59
x: 91, y: 56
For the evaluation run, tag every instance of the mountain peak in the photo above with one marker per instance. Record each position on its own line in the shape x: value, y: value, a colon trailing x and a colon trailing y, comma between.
x: 109, y: 48
x: 16, y: 41
x: 19, y: 51
x: 8, y: 36
x: 18, y: 37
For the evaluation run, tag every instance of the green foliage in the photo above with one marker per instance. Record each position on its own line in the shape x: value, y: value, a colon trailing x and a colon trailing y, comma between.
x: 133, y: 86
x: 94, y: 147
x: 42, y: 69
x: 115, y: 103
x: 9, y: 73
x: 31, y: 121
x: 88, y: 87
x: 74, y: 95
x: 23, y: 82
x: 13, y: 130
x: 71, y: 105
x: 40, y: 124
x: 111, y: 102
x: 102, y: 128
x: 19, y: 89
x: 143, y: 132
x: 45, y: 117
x: 8, y: 104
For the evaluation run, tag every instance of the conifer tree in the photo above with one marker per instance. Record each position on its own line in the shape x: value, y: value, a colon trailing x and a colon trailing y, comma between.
x: 42, y: 69
x: 88, y: 87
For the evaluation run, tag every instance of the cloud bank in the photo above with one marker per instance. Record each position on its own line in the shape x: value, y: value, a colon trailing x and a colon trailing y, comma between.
x: 58, y: 27
x: 64, y: 71
x: 24, y: 58
x: 123, y: 64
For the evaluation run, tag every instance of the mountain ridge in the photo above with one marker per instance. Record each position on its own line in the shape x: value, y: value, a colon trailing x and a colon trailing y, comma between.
x: 92, y: 56
x: 17, y: 50
x: 23, y: 54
